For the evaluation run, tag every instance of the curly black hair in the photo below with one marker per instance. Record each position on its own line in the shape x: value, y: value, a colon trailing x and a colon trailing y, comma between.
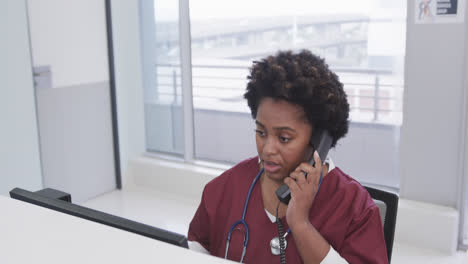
x: 303, y: 79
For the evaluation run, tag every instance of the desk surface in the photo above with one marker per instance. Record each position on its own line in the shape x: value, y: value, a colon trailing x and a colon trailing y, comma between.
x: 33, y: 234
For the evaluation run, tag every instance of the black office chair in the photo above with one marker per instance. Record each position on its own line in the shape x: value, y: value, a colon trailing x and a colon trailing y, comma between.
x: 388, y: 207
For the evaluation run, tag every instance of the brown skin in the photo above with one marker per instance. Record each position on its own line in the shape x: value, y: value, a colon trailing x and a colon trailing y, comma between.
x: 282, y: 137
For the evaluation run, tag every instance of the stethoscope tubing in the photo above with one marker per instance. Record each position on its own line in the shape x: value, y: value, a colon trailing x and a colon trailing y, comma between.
x: 242, y: 220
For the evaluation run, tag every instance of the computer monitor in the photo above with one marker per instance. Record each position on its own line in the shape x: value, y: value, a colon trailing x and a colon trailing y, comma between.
x: 61, y: 202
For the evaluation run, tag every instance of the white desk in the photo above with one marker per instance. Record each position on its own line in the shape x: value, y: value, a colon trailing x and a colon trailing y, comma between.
x: 33, y: 234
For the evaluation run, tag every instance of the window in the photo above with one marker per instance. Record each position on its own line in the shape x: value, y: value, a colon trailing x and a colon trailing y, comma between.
x: 161, y: 77
x: 362, y: 41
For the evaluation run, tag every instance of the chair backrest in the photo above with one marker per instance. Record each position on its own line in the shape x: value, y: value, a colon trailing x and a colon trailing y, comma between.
x: 388, y: 206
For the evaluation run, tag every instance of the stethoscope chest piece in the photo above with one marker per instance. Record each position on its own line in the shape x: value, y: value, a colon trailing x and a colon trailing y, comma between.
x: 275, y: 246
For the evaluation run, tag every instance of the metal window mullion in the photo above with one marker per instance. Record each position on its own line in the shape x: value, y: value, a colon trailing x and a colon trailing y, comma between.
x: 376, y: 98
x: 186, y: 80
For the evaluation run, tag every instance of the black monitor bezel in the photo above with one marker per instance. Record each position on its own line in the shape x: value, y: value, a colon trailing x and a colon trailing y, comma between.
x: 100, y: 217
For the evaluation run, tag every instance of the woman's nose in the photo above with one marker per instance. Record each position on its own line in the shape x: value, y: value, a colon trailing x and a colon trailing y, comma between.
x: 270, y: 146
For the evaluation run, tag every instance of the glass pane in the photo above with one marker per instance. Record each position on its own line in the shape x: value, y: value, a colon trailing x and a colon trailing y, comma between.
x: 161, y: 76
x: 362, y: 41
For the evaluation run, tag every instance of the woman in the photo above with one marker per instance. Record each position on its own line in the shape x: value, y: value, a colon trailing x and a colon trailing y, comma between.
x: 330, y: 217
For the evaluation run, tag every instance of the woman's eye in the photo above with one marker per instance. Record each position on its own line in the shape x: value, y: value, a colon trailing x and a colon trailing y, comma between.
x: 284, y: 139
x: 260, y: 133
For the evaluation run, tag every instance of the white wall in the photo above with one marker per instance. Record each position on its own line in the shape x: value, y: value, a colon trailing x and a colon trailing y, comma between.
x: 76, y: 49
x: 432, y: 134
x: 463, y: 182
x: 70, y: 36
x: 19, y: 155
x: 128, y: 79
x: 76, y: 140
x: 75, y: 121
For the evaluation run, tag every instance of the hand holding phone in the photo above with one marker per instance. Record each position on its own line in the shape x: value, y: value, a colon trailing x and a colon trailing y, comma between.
x: 321, y: 142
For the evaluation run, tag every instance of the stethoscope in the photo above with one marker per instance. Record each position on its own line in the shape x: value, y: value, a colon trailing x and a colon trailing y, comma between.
x: 274, y: 244
x: 242, y: 221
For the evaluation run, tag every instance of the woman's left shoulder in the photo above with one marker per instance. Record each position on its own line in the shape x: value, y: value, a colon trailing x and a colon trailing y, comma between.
x: 349, y: 189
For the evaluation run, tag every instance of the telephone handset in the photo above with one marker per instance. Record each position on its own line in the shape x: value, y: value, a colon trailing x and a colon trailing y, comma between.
x: 320, y: 141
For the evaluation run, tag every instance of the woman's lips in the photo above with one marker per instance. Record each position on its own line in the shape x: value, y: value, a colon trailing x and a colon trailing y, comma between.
x: 271, y: 167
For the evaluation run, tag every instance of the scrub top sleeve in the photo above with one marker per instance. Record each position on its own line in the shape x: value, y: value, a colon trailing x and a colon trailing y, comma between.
x: 364, y: 241
x: 199, y: 226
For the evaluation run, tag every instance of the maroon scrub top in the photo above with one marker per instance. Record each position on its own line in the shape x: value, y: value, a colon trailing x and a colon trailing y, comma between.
x: 343, y: 212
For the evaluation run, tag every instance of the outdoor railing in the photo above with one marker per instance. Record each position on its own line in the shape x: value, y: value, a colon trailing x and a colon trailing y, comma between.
x: 373, y: 95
